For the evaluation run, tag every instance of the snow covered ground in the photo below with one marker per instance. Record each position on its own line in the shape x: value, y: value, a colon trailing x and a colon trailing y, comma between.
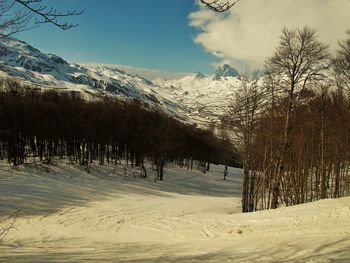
x: 69, y: 214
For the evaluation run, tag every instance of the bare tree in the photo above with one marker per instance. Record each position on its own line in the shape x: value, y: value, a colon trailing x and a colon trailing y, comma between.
x: 299, y: 60
x: 341, y: 64
x: 21, y: 15
x: 219, y: 5
x: 242, y: 117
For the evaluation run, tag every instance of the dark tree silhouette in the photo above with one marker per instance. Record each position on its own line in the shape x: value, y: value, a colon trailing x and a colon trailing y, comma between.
x: 46, y: 125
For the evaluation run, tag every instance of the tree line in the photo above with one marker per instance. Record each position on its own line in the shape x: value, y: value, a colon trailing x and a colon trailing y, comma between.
x: 43, y: 125
x: 293, y: 125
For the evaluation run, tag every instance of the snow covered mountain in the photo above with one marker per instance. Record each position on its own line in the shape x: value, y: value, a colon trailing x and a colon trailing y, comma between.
x: 206, y: 97
x: 196, y: 98
x: 24, y: 62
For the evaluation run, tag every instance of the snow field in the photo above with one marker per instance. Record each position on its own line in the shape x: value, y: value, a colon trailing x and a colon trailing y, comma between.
x: 72, y: 214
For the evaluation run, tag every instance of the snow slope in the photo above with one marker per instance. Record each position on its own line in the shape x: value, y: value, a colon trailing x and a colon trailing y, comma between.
x: 70, y: 214
x: 47, y: 71
x: 206, y: 97
x: 195, y: 98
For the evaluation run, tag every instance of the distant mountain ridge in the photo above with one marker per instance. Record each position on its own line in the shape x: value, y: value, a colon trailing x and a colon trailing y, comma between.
x: 195, y: 98
x: 20, y: 60
x: 205, y: 96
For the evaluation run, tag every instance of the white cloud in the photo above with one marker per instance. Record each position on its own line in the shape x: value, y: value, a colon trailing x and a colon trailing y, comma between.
x: 249, y: 32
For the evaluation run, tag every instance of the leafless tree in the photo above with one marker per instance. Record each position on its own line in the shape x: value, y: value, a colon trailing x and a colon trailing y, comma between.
x: 21, y: 15
x: 299, y: 60
x: 219, y: 5
x: 242, y: 117
x: 341, y: 64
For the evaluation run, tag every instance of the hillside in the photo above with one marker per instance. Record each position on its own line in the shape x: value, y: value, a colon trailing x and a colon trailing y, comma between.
x: 205, y: 96
x: 195, y: 98
x: 47, y: 71
x: 69, y: 214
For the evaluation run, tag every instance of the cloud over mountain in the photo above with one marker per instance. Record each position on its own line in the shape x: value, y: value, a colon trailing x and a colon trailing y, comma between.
x: 249, y: 33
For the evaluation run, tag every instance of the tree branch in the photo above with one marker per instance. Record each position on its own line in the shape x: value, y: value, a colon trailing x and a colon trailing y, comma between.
x: 49, y: 15
x: 219, y: 5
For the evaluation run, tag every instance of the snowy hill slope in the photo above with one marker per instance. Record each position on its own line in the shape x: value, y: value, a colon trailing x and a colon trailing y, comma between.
x: 69, y: 214
x: 205, y: 96
x: 24, y: 62
x: 195, y: 98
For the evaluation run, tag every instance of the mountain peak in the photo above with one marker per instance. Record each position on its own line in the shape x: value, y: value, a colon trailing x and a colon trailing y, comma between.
x: 199, y: 75
x: 225, y: 71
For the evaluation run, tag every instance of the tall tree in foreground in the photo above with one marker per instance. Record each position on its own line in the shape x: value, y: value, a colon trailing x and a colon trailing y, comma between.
x: 299, y: 60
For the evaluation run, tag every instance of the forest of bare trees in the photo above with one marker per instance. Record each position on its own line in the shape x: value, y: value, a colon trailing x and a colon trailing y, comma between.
x: 294, y: 126
x: 39, y: 126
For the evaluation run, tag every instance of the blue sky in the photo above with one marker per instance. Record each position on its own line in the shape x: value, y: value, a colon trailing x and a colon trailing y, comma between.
x: 151, y: 34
